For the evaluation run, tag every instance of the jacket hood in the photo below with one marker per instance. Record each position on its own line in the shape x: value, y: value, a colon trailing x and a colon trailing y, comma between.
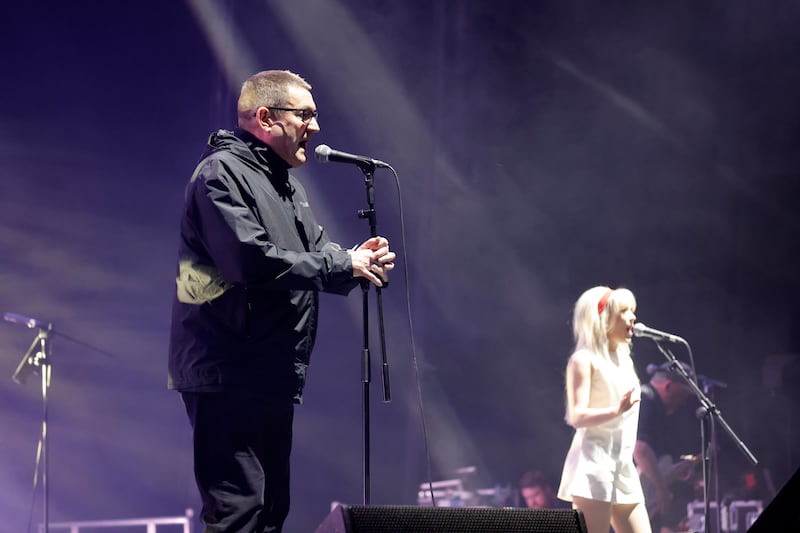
x: 245, y: 146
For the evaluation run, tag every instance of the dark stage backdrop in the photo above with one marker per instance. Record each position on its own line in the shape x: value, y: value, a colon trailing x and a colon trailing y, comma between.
x: 542, y: 148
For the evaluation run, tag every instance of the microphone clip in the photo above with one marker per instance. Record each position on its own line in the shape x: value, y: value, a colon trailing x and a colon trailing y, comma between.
x: 35, y: 358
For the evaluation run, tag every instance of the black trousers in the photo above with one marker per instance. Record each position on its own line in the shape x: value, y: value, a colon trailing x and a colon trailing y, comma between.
x: 242, y: 445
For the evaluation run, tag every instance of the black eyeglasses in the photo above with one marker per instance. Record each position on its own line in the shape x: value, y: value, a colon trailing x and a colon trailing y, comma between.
x: 305, y: 114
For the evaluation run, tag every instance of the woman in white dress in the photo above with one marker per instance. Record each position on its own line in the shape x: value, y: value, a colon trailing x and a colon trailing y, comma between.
x: 603, y: 394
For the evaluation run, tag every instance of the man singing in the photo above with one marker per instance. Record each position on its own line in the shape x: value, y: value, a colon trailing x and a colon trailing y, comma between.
x: 252, y: 259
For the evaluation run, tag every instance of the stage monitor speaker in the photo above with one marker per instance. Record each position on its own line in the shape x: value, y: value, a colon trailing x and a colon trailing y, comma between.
x: 412, y: 519
x: 782, y: 513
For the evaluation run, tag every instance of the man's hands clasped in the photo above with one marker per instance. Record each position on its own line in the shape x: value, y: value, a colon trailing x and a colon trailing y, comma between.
x: 373, y: 260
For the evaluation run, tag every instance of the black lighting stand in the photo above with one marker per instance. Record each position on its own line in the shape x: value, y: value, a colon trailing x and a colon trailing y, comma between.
x: 368, y: 168
x: 707, y: 411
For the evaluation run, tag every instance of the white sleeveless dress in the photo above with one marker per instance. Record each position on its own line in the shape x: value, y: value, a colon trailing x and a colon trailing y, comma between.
x: 599, y: 464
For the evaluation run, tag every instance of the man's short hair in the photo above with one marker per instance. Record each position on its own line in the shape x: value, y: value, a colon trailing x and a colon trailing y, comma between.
x: 267, y: 88
x: 534, y: 478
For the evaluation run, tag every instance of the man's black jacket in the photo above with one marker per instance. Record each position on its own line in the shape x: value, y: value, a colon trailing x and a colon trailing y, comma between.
x: 251, y: 260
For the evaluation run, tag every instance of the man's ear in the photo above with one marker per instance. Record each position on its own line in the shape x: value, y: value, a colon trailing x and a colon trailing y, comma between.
x: 264, y: 118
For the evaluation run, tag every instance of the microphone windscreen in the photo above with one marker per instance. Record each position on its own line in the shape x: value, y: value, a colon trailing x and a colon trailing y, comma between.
x: 322, y: 152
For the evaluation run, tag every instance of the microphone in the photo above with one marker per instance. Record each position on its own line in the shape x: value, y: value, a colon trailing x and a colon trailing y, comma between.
x: 26, y: 321
x: 640, y: 330
x: 325, y: 153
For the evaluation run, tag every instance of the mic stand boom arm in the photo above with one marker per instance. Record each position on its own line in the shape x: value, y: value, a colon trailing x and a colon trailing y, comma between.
x: 707, y: 405
x: 708, y: 410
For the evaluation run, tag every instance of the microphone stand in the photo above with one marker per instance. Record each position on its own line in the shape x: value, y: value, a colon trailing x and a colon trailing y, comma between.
x: 368, y: 168
x: 708, y: 411
x: 37, y: 360
x: 713, y: 452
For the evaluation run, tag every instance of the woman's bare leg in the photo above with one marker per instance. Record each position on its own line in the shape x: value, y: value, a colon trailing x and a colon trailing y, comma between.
x: 630, y: 518
x: 596, y: 513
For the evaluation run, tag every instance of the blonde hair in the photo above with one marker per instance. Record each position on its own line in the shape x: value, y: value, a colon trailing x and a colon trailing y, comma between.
x: 267, y: 88
x: 594, y: 315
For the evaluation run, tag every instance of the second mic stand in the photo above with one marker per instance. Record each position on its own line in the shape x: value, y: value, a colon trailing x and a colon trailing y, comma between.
x: 368, y: 168
x: 708, y: 411
x: 36, y: 360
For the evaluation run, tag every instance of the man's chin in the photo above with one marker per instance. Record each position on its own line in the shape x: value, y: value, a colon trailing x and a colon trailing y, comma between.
x: 300, y: 158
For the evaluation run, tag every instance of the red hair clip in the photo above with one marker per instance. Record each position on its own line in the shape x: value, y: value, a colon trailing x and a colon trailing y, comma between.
x: 601, y: 305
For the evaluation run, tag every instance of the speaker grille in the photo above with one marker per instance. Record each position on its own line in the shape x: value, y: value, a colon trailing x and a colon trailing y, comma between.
x: 412, y: 519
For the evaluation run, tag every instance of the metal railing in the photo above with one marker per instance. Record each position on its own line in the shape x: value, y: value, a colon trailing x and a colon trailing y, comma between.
x: 150, y: 524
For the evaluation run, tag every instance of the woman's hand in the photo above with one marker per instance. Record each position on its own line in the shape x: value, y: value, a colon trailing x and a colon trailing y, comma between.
x: 628, y: 400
